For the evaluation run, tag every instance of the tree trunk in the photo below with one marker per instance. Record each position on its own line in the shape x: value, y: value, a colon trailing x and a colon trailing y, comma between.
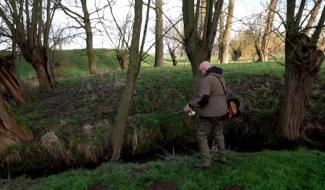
x: 302, y: 65
x: 303, y: 62
x: 159, y: 53
x: 258, y: 49
x: 221, y: 35
x: 173, y: 56
x: 11, y: 80
x: 132, y: 74
x: 196, y: 56
x: 226, y: 37
x: 45, y: 74
x: 203, y: 8
x: 199, y: 49
x: 121, y: 57
x: 30, y: 25
x: 89, y: 39
x: 171, y: 49
x: 268, y: 31
x: 11, y: 130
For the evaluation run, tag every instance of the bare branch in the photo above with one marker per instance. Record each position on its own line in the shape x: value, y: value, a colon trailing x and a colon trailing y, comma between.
x: 145, y: 29
x: 319, y: 28
x: 313, y: 14
x: 299, y: 14
x: 116, y: 23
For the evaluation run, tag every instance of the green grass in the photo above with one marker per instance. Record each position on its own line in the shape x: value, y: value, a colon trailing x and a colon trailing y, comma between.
x: 300, y: 169
x: 72, y: 63
x: 83, y: 99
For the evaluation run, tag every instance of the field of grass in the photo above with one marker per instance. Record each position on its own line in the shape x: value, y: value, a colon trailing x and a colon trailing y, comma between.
x: 82, y: 99
x: 271, y: 170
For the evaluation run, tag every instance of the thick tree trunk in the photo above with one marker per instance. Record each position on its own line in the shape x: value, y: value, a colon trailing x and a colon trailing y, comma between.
x: 159, y: 53
x: 30, y: 24
x: 226, y: 37
x: 41, y: 61
x: 302, y: 65
x: 199, y: 49
x: 11, y: 80
x: 11, y: 131
x: 89, y: 39
x: 45, y: 74
x: 196, y: 56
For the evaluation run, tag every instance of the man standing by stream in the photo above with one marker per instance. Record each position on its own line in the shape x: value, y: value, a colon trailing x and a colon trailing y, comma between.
x: 212, y: 104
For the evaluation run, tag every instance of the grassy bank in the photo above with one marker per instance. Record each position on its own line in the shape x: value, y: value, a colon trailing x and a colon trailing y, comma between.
x: 272, y: 170
x: 81, y: 111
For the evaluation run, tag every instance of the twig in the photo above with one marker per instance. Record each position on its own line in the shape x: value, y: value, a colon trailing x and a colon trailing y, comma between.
x: 188, y: 149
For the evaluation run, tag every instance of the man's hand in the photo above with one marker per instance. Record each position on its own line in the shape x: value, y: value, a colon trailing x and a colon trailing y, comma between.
x: 187, y: 108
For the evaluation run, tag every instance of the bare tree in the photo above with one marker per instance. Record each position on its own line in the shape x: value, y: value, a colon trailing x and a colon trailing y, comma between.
x: 226, y: 35
x: 264, y: 54
x: 120, y: 40
x: 84, y: 22
x: 256, y: 25
x: 199, y: 49
x: 8, y: 73
x: 159, y: 29
x: 302, y: 63
x: 135, y: 58
x: 121, y: 48
x: 261, y: 25
x: 30, y: 24
x: 173, y: 41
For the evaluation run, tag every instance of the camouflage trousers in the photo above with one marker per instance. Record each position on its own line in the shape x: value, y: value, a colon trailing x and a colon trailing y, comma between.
x: 204, y: 130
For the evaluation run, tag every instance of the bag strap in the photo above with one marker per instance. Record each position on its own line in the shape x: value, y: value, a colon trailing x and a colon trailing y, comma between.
x: 223, y: 87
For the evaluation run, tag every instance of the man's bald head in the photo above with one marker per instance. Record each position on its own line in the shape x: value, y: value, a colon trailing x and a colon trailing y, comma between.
x: 204, y: 66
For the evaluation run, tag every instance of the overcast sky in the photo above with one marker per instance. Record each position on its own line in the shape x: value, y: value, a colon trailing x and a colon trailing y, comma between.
x: 172, y: 9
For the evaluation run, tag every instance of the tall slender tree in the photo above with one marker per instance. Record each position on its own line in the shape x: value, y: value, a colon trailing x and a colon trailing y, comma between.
x: 302, y: 63
x: 83, y: 20
x: 159, y: 53
x: 120, y: 40
x: 264, y: 54
x: 221, y: 33
x: 226, y: 35
x: 135, y: 58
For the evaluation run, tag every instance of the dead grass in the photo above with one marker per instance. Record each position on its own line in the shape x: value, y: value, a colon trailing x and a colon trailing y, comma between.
x: 53, y: 146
